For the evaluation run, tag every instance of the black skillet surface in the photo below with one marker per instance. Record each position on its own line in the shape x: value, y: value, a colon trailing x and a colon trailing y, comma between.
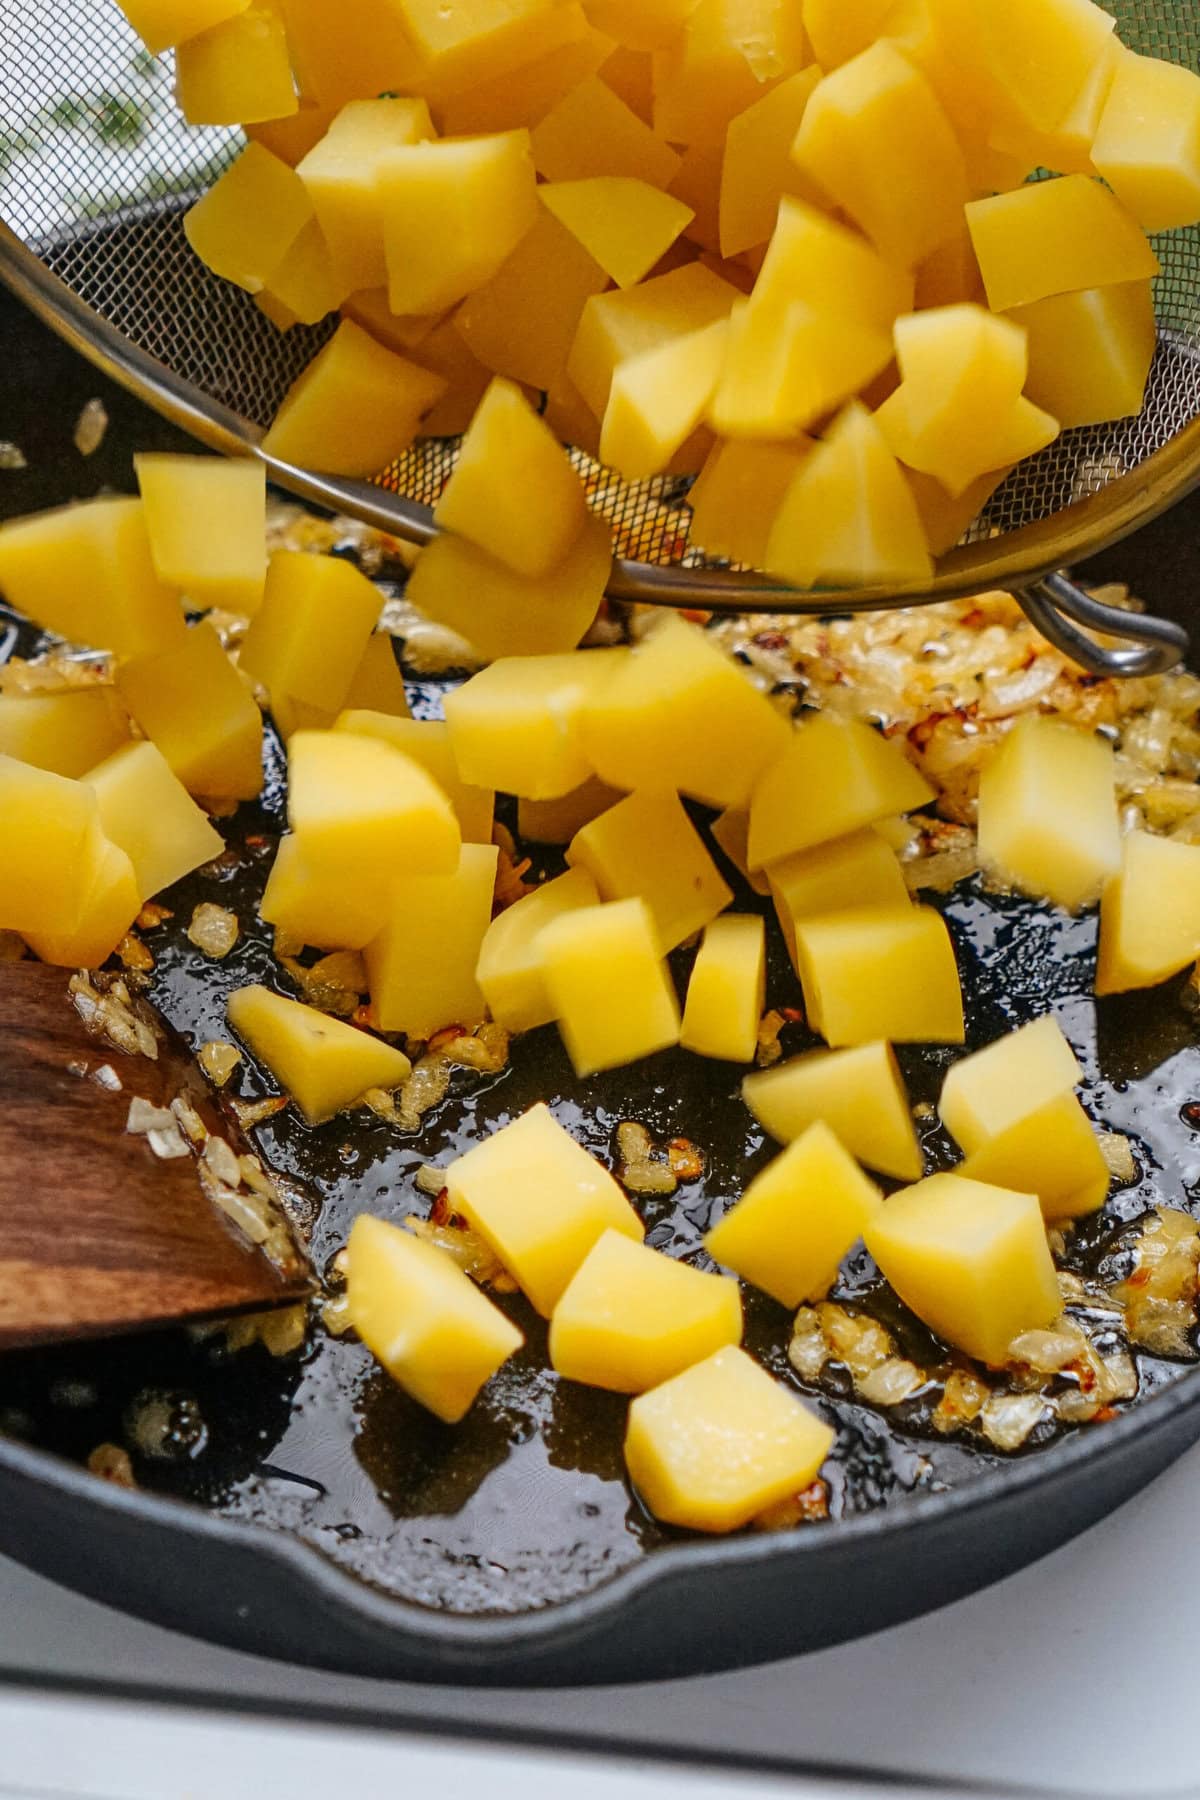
x: 509, y: 1549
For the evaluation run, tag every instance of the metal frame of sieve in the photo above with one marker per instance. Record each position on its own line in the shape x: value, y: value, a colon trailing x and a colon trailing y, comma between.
x: 96, y: 175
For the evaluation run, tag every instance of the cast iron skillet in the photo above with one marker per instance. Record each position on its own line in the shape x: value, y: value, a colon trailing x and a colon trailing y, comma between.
x: 302, y: 1508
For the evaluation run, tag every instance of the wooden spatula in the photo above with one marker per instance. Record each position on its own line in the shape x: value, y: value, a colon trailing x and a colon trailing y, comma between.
x: 98, y: 1234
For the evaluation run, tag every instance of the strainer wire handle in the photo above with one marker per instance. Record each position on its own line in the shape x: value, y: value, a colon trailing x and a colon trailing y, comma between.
x: 1066, y: 615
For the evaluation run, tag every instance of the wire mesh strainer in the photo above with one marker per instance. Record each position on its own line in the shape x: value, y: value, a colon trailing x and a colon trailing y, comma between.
x: 97, y: 169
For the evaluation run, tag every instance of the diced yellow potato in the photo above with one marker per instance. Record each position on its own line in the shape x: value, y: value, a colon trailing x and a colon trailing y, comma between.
x: 815, y: 260
x: 323, y: 1063
x: 359, y: 47
x: 945, y: 519
x: 1052, y: 1152
x: 987, y: 1093
x: 1048, y: 811
x: 206, y: 517
x: 727, y: 989
x: 875, y: 139
x: 510, y: 960
x: 641, y: 24
x: 757, y: 170
x: 246, y: 223
x: 557, y: 821
x: 616, y: 326
x: 291, y: 716
x: 53, y: 842
x: 1037, y: 54
x: 311, y: 632
x: 835, y: 776
x: 110, y: 907
x: 67, y: 733
x: 726, y: 54
x: 236, y: 72
x: 427, y: 741
x: 849, y: 515
x: 163, y: 23
x: 629, y: 72
x: 453, y: 211
x: 646, y: 846
x: 85, y: 572
x: 609, y: 987
x: 736, y: 495
x: 632, y: 1318
x: 362, y: 809
x: 1005, y: 437
x: 731, y: 832
x: 721, y: 1443
x: 432, y: 1329
x: 971, y: 1260
x: 1147, y: 143
x: 291, y: 138
x: 517, y: 725
x: 880, y: 972
x: 461, y: 42
x: 624, y: 224
x: 148, y: 812
x: 402, y: 333
x: 1150, y: 914
x: 523, y: 321
x: 1055, y: 237
x: 354, y: 410
x: 859, y: 1093
x: 421, y: 967
x: 569, y: 415
x: 524, y: 95
x: 657, y: 400
x: 797, y: 1219
x: 591, y: 131
x: 502, y: 614
x: 541, y: 1202
x: 949, y: 274
x: 192, y: 703
x: 377, y: 685
x: 677, y: 712
x: 1090, y: 353
x: 1067, y: 146
x: 513, y: 493
x: 857, y: 870
x: 444, y: 353
x: 788, y: 366
x: 697, y: 184
x: 323, y: 910
x: 838, y: 32
x: 341, y: 177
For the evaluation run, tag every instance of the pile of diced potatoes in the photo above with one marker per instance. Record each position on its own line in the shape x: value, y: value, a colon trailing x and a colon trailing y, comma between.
x: 788, y: 246
x: 658, y: 767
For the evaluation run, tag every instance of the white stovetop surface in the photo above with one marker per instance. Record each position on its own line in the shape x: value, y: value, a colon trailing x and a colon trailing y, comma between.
x: 1077, y: 1676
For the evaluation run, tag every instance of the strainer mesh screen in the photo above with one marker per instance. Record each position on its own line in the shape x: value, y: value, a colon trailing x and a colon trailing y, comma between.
x: 97, y: 169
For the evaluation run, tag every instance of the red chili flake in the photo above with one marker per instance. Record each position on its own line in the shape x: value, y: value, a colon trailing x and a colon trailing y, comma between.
x: 446, y: 1035
x: 691, y: 613
x: 443, y: 1214
x: 770, y: 640
x: 361, y: 1016
x: 1103, y: 1414
x: 255, y: 840
x: 792, y: 1015
x: 1191, y: 1114
x: 1139, y: 1279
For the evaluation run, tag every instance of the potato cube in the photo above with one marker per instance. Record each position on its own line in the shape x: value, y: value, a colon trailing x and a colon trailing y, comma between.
x: 849, y: 515
x: 591, y: 131
x: 53, y: 843
x: 1052, y: 1152
x: 432, y: 1329
x: 510, y: 959
x: 657, y: 400
x: 513, y: 493
x: 1048, y: 811
x: 678, y: 712
x: 945, y: 520
x: 875, y: 139
x: 291, y: 716
x: 453, y: 211
x: 192, y: 703
x: 726, y: 54
x: 236, y: 72
x: 148, y: 812
x: 341, y: 177
x: 506, y: 615
x: 523, y: 321
x: 517, y: 725
x: 556, y: 821
x: 461, y: 42
x: 321, y: 1062
x: 880, y: 972
x: 962, y: 372
x: 246, y: 223
x: 721, y: 1443
x: 858, y: 1093
x: 987, y: 1093
x: 321, y: 909
x: 757, y: 170
x: 161, y: 24
x: 858, y: 870
x: 971, y: 1260
x: 632, y: 1318
x: 616, y: 326
x: 109, y: 909
x: 1006, y: 436
x: 838, y: 32
x: 1066, y: 147
x: 67, y: 733
x: 641, y: 25
x: 377, y: 684
x: 206, y: 517
x: 797, y: 1219
x: 571, y: 51
x: 444, y: 353
x: 786, y: 367
x: 305, y: 286
x: 354, y: 410
x: 291, y: 138
x: 949, y: 275
x: 359, y: 47
x: 835, y: 776
x: 731, y: 833
x: 311, y: 632
x: 421, y: 967
x: 1150, y: 914
x: 1039, y: 53
x: 1090, y: 353
x: 646, y: 846
x: 624, y: 224
x: 813, y: 259
x: 402, y: 333
x: 362, y: 809
x: 1054, y: 237
x: 427, y: 741
x: 610, y: 990
x: 726, y: 990
x: 1147, y: 143
x: 541, y: 1202
x: 85, y: 572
